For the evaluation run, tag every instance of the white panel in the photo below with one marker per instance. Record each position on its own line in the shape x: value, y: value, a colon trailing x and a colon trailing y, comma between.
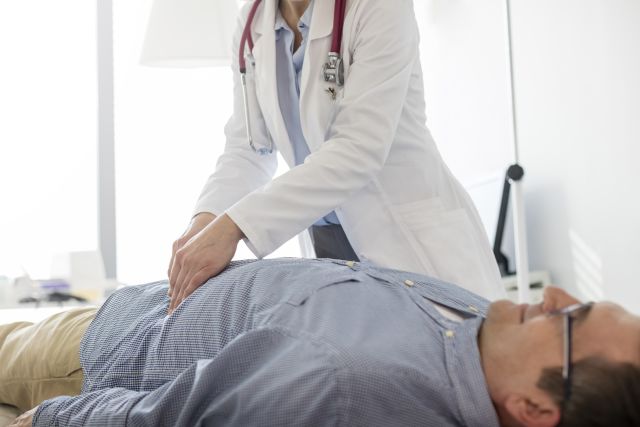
x: 47, y: 132
x: 576, y: 79
x: 463, y: 47
x: 577, y: 69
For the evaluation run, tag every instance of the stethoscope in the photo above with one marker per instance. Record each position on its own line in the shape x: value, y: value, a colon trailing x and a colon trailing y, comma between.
x: 333, y: 69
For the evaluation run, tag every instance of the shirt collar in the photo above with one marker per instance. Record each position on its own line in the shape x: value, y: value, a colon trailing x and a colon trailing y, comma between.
x: 305, y: 19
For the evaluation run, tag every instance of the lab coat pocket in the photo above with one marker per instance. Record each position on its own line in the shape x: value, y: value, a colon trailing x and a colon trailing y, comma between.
x: 448, y: 239
x: 421, y: 212
x: 301, y: 294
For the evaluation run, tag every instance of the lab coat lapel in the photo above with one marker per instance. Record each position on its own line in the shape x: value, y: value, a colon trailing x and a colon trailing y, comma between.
x: 264, y: 52
x: 315, y: 103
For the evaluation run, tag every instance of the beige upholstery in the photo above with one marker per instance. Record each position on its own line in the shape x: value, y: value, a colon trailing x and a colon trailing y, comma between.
x: 7, y: 415
x: 40, y: 361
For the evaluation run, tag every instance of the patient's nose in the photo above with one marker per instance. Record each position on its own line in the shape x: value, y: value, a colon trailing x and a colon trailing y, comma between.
x: 556, y: 298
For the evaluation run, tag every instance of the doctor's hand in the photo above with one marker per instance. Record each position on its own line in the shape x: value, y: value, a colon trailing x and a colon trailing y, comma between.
x: 196, y: 225
x: 205, y: 255
x: 25, y: 419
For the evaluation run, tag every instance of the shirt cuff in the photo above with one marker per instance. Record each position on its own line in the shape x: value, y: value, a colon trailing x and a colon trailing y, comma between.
x: 48, y: 410
x: 206, y: 208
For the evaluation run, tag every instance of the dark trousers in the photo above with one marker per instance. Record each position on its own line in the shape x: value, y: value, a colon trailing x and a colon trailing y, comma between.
x: 329, y: 241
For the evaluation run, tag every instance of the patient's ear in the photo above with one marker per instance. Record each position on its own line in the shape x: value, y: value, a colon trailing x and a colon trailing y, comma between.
x: 532, y: 411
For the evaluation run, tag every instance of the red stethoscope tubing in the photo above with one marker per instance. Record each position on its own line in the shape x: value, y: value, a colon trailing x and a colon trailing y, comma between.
x: 338, y: 25
x: 246, y: 36
x: 336, y: 41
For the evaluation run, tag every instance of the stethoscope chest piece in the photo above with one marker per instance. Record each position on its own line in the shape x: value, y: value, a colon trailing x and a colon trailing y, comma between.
x: 333, y: 69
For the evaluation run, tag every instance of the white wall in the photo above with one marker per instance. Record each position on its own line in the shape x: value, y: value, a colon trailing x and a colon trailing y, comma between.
x: 465, y: 69
x: 48, y: 187
x: 578, y: 68
x: 578, y: 87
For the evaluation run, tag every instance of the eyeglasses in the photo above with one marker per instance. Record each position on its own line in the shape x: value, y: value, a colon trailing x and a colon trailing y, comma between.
x: 569, y: 314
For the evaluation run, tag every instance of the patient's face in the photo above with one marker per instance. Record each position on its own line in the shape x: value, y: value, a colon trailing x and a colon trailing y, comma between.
x: 523, y: 340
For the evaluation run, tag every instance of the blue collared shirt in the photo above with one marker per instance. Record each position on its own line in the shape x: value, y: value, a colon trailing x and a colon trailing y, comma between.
x: 289, y: 67
x: 284, y: 342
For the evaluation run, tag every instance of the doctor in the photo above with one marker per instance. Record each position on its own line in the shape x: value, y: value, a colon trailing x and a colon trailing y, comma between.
x: 366, y: 178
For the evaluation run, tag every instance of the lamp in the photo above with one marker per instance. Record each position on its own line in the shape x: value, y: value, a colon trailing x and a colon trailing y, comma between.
x: 189, y: 33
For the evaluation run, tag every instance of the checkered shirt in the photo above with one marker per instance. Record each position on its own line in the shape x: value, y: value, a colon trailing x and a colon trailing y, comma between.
x: 285, y: 342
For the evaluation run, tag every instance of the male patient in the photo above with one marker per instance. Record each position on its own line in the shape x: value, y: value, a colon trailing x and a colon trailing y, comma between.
x: 323, y: 342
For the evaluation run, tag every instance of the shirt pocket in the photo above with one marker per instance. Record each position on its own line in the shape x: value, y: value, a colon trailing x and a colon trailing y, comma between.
x: 299, y: 293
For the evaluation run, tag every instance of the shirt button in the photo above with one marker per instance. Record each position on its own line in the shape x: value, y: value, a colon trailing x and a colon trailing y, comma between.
x: 474, y: 309
x: 449, y: 334
x: 350, y: 264
x: 409, y: 283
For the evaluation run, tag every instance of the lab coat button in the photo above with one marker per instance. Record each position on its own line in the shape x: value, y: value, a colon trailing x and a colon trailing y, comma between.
x: 409, y: 283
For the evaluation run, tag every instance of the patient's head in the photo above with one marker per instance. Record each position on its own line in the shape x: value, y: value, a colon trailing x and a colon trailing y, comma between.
x: 522, y: 355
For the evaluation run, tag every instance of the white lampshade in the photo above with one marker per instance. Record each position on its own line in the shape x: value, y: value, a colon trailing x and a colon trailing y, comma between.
x: 189, y: 33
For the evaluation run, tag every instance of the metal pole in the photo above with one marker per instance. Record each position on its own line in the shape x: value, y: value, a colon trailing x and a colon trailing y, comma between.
x: 520, y: 233
x: 512, y: 89
x: 519, y: 218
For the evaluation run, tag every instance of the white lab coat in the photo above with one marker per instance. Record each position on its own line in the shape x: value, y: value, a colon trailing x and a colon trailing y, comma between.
x: 372, y: 158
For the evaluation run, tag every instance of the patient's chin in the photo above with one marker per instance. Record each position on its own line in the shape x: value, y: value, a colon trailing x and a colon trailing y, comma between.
x: 503, y: 311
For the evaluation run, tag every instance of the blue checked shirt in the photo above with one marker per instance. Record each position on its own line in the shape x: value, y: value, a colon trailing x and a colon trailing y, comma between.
x: 284, y: 342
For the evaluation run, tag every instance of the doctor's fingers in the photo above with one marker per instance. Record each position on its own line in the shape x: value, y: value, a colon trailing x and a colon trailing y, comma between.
x: 174, y: 273
x: 197, y: 224
x: 175, y: 248
x: 180, y: 242
x: 189, y: 262
x: 179, y: 268
x: 177, y: 245
x: 197, y: 280
x: 184, y: 279
x: 176, y: 288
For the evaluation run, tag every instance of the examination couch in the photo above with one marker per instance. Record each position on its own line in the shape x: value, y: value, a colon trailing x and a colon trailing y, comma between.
x: 7, y: 415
